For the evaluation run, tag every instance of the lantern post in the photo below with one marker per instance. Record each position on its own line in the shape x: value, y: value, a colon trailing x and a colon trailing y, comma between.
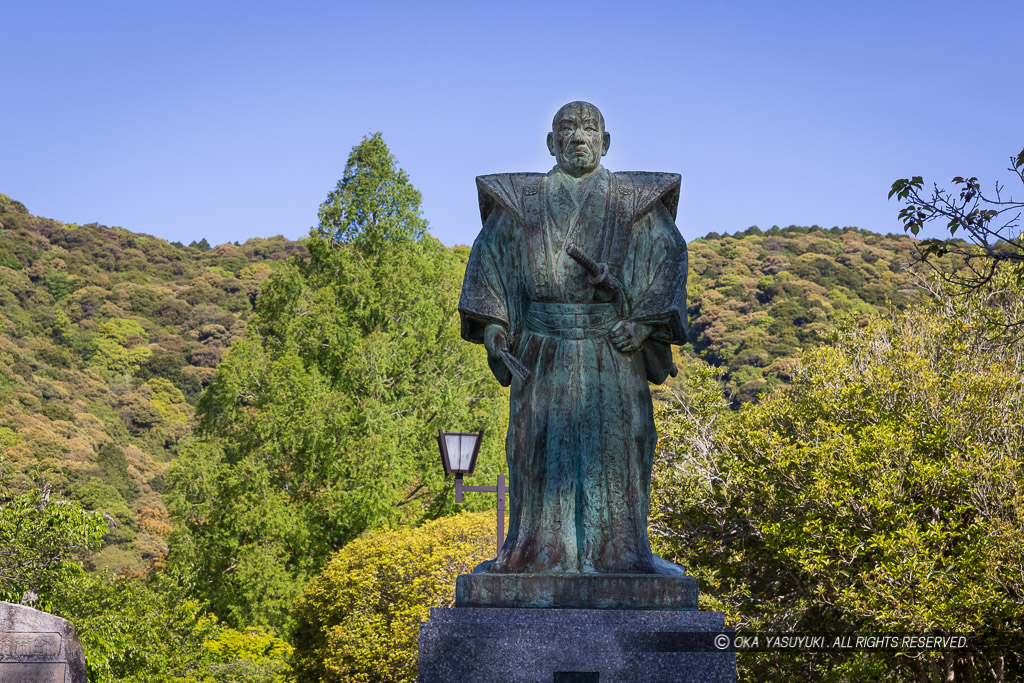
x: 458, y: 457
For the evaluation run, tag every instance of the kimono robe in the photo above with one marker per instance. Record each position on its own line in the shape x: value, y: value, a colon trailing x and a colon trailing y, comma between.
x: 581, y: 434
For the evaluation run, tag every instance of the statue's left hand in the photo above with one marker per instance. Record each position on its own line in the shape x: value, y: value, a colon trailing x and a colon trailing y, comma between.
x: 629, y: 335
x: 495, y: 340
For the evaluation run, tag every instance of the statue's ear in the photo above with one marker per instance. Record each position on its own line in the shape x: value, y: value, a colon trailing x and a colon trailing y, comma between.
x: 551, y: 143
x: 606, y: 144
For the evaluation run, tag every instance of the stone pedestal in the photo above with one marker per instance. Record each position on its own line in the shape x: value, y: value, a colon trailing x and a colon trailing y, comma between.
x: 36, y: 647
x: 574, y: 645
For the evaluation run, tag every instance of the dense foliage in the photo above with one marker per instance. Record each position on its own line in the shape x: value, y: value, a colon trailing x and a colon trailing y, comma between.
x: 880, y: 493
x: 106, y: 339
x: 131, y: 629
x: 759, y: 298
x: 373, y: 203
x: 41, y: 542
x: 359, y: 618
x: 321, y: 421
x: 135, y: 630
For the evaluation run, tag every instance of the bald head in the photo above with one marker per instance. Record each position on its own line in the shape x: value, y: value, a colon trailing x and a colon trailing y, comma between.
x: 578, y: 139
x: 577, y: 109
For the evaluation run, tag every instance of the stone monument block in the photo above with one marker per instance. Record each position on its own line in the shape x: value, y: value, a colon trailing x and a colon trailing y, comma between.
x: 521, y: 645
x: 36, y: 647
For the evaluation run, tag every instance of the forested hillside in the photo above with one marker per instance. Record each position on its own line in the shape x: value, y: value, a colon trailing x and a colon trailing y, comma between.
x: 759, y: 298
x: 107, y: 338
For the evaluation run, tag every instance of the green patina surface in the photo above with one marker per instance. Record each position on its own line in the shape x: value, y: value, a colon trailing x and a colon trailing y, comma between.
x: 580, y: 275
x: 577, y: 591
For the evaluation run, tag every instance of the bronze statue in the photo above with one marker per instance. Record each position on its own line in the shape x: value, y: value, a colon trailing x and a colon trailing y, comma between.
x: 576, y: 285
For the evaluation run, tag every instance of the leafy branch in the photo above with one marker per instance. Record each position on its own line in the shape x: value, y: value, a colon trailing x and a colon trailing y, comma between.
x: 990, y: 224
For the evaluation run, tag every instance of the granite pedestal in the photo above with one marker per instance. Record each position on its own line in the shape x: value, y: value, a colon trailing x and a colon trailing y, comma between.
x: 516, y: 645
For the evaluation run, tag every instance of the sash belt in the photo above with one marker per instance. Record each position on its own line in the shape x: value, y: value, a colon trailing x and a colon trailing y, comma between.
x: 571, y: 321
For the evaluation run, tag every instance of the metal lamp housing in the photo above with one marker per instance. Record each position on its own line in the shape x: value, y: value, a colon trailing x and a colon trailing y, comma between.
x: 459, y: 451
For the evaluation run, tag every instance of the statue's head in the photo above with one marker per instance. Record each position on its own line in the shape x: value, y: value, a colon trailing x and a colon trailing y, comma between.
x: 578, y: 139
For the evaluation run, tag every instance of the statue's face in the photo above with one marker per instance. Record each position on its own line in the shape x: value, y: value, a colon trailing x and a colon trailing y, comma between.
x: 578, y: 140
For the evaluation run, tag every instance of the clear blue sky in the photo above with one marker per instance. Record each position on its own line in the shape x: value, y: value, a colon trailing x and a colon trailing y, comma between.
x: 230, y: 120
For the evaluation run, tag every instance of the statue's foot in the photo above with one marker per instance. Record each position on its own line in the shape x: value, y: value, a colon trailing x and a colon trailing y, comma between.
x: 484, y: 567
x: 666, y: 568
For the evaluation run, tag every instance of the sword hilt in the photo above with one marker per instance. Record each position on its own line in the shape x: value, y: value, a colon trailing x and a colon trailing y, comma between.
x: 600, y: 276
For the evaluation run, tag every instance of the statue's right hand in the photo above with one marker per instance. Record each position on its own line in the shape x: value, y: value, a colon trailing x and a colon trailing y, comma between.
x: 495, y: 340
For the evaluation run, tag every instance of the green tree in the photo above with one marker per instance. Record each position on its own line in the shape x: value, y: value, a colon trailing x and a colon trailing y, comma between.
x: 374, y: 201
x: 880, y: 493
x: 41, y: 541
x: 321, y: 421
x: 359, y: 618
x: 136, y: 629
x: 120, y: 346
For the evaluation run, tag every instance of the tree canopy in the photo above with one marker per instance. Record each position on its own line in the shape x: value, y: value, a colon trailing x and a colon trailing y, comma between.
x: 42, y: 541
x: 320, y: 421
x: 107, y: 337
x: 880, y: 492
x: 373, y: 202
x: 359, y: 618
x: 136, y: 629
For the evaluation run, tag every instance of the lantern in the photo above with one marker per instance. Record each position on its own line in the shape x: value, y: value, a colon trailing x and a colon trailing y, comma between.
x: 459, y: 451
